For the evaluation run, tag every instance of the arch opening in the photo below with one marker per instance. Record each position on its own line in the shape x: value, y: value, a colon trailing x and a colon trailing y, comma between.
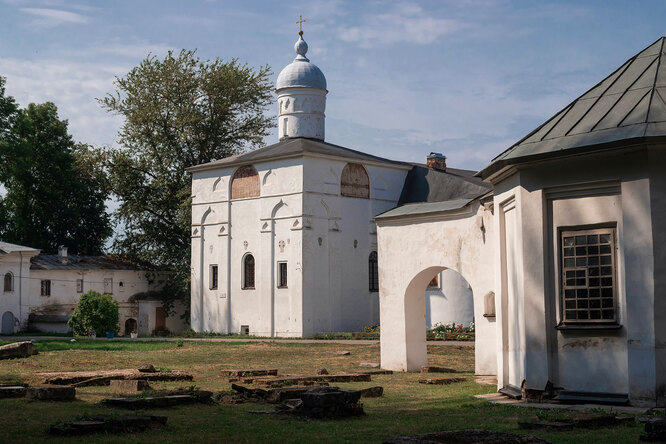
x: 456, y: 296
x: 130, y: 326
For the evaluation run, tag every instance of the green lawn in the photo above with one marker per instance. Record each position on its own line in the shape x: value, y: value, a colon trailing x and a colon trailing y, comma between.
x: 406, y: 408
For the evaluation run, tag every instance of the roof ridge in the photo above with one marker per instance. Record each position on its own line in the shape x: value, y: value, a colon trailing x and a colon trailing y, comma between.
x: 654, y: 84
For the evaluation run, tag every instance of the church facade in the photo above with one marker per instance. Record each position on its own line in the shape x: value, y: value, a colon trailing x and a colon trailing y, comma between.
x: 284, y: 240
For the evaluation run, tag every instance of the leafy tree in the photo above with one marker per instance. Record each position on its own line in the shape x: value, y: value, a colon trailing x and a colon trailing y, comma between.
x: 179, y: 112
x: 52, y: 198
x: 95, y: 312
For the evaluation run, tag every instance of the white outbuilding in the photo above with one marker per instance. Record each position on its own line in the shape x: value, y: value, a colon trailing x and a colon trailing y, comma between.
x: 565, y: 257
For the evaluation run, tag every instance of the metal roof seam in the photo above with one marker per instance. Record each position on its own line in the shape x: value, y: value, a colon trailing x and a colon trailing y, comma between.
x: 610, y: 108
x: 654, y: 85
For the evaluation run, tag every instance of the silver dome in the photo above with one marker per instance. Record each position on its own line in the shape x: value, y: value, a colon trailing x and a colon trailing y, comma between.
x: 301, y: 72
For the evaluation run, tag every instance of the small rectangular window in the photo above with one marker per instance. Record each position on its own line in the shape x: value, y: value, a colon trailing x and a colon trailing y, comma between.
x: 79, y: 285
x: 434, y: 283
x: 108, y: 285
x: 588, y: 276
x: 213, y: 277
x: 46, y: 288
x: 282, y: 275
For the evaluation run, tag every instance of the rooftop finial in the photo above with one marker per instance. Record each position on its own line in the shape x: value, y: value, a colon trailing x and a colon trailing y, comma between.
x: 300, y: 24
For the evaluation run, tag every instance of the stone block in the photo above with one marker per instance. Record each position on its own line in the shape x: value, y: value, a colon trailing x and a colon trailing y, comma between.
x: 238, y: 373
x: 147, y: 368
x: 16, y: 391
x: 128, y: 385
x: 108, y: 423
x: 150, y: 402
x: 337, y: 353
x: 18, y: 350
x: 369, y: 364
x: 440, y: 381
x: 372, y: 392
x: 322, y: 371
x: 63, y: 393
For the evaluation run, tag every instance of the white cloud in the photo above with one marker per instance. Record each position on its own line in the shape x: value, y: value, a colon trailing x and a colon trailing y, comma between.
x: 73, y: 87
x: 48, y: 16
x: 404, y: 23
x: 140, y: 51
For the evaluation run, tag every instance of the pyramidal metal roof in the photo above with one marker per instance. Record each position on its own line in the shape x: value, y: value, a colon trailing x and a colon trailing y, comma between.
x: 628, y: 104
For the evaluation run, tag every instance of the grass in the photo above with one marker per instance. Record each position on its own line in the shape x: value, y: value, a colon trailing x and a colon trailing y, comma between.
x: 406, y: 408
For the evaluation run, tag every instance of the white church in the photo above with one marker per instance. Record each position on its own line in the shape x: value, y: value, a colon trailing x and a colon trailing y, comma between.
x: 555, y: 248
x: 284, y: 240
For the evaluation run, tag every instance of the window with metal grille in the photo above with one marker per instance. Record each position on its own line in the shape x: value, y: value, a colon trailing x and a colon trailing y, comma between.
x: 248, y: 272
x: 79, y: 285
x: 213, y: 277
x: 46, y: 288
x: 373, y: 275
x: 588, y: 276
x: 282, y: 275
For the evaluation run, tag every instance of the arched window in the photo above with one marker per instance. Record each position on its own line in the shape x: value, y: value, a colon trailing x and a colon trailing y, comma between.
x: 245, y: 183
x: 248, y: 272
x: 373, y: 276
x: 354, y: 181
x: 9, y: 282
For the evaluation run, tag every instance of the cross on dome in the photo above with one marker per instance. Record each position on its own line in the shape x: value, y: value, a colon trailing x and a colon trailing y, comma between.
x: 300, y: 24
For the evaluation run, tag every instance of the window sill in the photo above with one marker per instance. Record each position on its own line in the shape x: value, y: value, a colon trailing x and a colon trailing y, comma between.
x: 282, y: 286
x: 600, y: 326
x: 247, y: 288
x: 488, y: 316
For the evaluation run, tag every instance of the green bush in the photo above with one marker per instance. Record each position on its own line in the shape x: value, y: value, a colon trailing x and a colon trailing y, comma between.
x: 95, y: 313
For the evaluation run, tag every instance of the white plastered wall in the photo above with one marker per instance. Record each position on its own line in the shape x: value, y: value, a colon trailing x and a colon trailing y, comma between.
x: 579, y: 191
x: 411, y: 251
x: 64, y: 295
x: 18, y: 264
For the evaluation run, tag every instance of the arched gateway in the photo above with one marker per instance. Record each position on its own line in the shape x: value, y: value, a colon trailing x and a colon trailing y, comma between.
x: 457, y: 240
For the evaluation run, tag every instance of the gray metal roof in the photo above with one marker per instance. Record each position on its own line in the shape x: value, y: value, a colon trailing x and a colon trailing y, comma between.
x: 628, y: 104
x: 300, y: 72
x: 74, y: 262
x: 424, y: 184
x: 293, y: 147
x: 6, y: 247
x: 425, y: 207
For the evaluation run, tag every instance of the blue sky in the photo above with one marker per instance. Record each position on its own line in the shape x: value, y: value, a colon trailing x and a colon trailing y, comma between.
x: 466, y: 78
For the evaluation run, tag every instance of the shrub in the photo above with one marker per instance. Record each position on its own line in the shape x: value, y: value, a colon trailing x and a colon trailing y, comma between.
x: 95, y: 312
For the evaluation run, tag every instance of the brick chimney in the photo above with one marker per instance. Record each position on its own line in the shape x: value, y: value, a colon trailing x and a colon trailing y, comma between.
x: 436, y: 161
